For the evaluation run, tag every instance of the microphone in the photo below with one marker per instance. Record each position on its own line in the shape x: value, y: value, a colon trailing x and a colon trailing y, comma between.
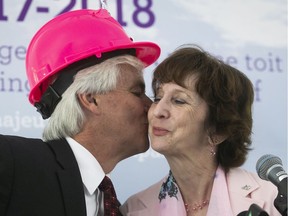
x: 254, y: 210
x: 269, y: 168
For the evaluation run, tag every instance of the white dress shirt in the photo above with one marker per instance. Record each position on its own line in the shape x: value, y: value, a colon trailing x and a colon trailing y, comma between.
x: 92, y: 174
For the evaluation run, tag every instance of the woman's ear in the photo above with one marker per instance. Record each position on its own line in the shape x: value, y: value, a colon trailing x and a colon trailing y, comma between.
x: 215, y: 139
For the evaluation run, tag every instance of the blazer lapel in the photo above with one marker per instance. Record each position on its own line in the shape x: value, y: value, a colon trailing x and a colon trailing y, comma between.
x: 240, y: 186
x: 69, y: 178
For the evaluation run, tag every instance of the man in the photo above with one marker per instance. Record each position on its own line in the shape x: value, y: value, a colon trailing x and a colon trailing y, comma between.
x: 86, y: 73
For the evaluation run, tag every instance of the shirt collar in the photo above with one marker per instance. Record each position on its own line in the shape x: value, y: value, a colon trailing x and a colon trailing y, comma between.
x: 90, y: 169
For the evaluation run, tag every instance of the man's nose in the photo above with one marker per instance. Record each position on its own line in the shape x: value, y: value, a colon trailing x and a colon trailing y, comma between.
x: 147, y: 103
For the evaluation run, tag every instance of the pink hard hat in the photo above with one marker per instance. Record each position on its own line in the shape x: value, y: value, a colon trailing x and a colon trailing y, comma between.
x: 74, y: 36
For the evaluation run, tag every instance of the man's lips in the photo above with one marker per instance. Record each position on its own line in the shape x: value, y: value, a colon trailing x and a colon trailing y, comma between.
x: 158, y: 131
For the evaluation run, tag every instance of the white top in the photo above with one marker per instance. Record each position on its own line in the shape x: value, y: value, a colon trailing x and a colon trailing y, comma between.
x: 92, y: 174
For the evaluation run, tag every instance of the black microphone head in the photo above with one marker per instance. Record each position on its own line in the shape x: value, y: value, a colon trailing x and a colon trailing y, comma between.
x: 264, y: 163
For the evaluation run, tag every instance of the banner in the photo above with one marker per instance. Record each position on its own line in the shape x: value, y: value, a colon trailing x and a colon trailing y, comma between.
x: 250, y: 35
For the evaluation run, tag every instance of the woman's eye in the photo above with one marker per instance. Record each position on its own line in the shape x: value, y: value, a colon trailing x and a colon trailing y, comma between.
x: 179, y: 101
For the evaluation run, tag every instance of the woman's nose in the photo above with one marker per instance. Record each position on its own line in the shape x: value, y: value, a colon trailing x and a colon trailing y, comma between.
x: 160, y: 109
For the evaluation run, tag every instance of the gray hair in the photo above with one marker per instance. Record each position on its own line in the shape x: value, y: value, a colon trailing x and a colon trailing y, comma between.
x: 68, y: 116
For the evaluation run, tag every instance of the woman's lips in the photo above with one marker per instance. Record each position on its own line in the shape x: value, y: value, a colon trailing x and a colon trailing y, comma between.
x: 157, y: 131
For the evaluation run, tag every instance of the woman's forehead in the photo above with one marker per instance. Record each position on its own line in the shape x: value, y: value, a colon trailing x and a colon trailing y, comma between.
x: 188, y: 83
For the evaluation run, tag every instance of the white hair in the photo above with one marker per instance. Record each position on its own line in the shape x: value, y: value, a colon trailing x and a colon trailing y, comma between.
x: 68, y: 116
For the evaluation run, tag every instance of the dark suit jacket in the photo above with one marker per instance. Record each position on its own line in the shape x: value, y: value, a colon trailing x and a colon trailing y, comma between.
x: 39, y: 178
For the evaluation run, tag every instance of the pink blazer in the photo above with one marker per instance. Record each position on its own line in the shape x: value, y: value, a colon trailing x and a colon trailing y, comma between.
x: 244, y: 189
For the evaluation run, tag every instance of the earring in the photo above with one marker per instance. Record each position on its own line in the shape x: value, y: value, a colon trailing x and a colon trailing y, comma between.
x: 212, y: 149
x: 212, y: 146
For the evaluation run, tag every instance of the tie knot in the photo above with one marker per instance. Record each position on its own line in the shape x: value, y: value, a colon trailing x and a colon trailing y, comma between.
x: 106, y: 184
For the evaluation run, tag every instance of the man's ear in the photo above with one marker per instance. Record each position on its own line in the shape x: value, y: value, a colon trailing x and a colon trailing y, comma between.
x: 89, y: 102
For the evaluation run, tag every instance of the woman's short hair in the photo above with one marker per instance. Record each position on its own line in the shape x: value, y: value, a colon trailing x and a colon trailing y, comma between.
x: 227, y: 91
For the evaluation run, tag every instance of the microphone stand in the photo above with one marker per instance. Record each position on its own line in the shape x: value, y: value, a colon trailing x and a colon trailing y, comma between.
x: 280, y: 202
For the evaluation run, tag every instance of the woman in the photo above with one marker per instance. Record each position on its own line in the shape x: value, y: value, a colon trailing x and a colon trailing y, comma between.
x: 201, y: 121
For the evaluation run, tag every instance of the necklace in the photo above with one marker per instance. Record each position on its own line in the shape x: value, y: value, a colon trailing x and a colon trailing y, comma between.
x: 196, y: 206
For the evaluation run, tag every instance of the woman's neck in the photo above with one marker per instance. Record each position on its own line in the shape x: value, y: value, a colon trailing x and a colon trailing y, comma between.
x: 195, y: 179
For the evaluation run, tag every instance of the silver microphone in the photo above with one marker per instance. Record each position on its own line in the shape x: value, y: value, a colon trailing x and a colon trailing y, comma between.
x: 270, y: 168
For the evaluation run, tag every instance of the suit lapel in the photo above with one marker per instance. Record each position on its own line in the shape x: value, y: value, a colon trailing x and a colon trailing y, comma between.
x: 69, y: 178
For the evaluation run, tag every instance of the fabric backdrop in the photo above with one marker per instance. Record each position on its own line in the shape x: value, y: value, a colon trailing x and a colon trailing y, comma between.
x: 250, y: 35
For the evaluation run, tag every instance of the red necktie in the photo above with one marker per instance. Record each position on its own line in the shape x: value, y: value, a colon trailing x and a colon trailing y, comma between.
x: 111, y: 204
